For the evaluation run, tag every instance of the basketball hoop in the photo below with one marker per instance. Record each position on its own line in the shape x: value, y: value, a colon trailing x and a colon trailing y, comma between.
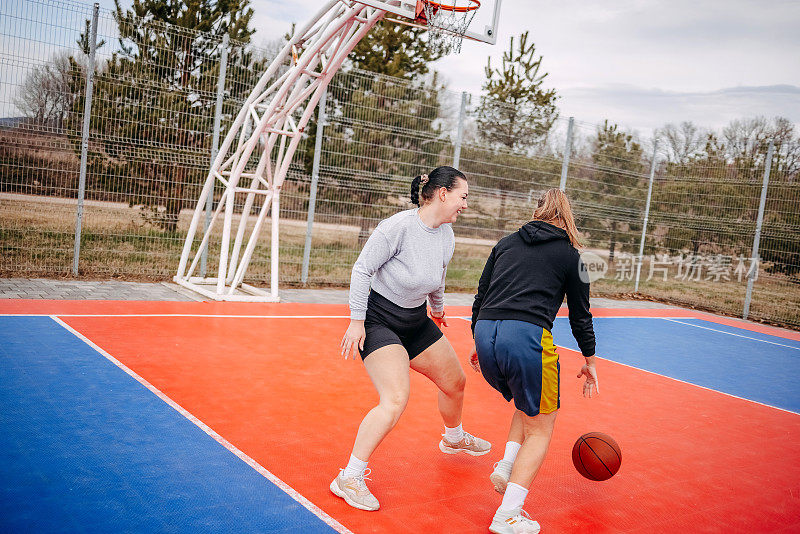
x: 448, y: 21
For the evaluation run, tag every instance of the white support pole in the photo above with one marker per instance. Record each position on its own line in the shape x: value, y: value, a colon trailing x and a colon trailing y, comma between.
x: 460, y: 135
x: 275, y: 245
x: 567, y: 151
x: 223, y: 65
x: 87, y: 113
x: 646, y: 216
x: 240, y: 124
x: 312, y: 195
x: 268, y: 122
x: 754, y: 259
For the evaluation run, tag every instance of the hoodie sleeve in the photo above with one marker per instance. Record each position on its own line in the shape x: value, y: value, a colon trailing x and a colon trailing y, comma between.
x: 580, y: 319
x: 483, y: 286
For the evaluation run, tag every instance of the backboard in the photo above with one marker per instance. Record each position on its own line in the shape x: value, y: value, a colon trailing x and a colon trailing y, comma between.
x: 482, y: 28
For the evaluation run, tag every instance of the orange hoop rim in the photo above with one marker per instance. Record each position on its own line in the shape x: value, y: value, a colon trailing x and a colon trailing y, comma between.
x: 474, y: 4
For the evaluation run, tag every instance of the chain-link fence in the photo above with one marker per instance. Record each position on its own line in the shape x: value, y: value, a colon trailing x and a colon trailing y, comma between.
x: 150, y: 139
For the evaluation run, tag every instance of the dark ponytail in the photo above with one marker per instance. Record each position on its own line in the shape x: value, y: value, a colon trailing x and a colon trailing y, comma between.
x: 439, y: 177
x: 415, y: 190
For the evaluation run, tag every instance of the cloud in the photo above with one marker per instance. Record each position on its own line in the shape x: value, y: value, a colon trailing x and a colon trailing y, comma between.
x: 645, y: 109
x: 640, y: 63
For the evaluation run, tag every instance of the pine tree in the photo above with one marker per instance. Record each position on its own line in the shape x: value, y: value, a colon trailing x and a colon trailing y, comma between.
x: 516, y: 112
x: 617, y: 182
x: 380, y: 161
x: 153, y: 105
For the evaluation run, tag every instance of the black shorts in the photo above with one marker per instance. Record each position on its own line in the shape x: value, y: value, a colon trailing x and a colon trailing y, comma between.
x: 389, y: 324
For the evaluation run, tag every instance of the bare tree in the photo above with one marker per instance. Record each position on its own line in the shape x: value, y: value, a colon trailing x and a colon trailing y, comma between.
x: 682, y: 143
x: 46, y: 97
x: 745, y: 138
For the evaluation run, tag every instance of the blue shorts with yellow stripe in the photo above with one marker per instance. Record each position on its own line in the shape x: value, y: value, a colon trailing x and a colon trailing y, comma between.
x: 519, y: 360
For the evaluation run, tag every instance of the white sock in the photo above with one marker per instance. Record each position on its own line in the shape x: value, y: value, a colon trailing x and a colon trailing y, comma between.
x: 513, y: 498
x: 454, y: 435
x: 355, y: 468
x: 512, y: 448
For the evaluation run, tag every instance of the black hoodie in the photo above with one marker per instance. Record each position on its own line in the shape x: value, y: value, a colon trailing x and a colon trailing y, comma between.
x: 526, y: 277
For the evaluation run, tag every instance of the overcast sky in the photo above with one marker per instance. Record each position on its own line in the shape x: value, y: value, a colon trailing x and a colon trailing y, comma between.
x: 640, y: 63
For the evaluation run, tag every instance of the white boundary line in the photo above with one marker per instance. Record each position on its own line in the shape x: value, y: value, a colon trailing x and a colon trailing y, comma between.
x: 469, y: 318
x: 731, y: 333
x: 669, y: 377
x: 688, y: 383
x: 199, y: 315
x: 294, y: 494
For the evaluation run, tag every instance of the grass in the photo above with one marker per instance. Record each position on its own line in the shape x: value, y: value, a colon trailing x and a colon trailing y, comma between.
x: 37, y: 239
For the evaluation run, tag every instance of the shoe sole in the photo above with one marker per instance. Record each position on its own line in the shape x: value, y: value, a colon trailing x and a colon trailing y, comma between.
x: 504, y: 531
x: 449, y: 450
x: 500, y: 483
x: 339, y: 493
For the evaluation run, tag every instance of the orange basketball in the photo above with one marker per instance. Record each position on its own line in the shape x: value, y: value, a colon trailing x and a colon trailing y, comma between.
x: 596, y: 456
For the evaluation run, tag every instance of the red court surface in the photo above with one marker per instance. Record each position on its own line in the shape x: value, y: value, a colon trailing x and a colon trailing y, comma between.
x: 694, y: 460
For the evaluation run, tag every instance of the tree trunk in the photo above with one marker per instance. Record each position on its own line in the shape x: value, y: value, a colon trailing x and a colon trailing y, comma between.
x: 174, y: 202
x: 363, y: 231
x: 612, y: 242
x: 500, y: 220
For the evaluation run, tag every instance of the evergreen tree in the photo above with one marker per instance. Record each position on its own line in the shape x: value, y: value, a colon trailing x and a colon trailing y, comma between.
x: 152, y: 113
x: 516, y: 112
x: 615, y: 188
x: 515, y: 115
x: 380, y: 161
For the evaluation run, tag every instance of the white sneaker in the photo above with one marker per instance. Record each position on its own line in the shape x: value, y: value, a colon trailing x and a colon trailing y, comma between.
x: 355, y: 491
x: 469, y: 444
x: 500, y: 475
x: 513, y: 522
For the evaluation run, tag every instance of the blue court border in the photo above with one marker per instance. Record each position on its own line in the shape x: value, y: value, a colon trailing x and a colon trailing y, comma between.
x: 87, y: 448
x: 750, y: 365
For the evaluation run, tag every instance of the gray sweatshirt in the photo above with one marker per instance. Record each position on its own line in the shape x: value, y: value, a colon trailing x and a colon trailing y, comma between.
x: 405, y: 261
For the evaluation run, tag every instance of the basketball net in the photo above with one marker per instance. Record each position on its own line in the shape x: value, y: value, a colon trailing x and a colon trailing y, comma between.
x: 448, y: 21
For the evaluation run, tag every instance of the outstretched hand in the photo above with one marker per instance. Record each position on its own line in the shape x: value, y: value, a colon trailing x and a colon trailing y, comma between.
x: 353, y: 339
x: 588, y: 370
x: 438, y: 318
x: 473, y: 360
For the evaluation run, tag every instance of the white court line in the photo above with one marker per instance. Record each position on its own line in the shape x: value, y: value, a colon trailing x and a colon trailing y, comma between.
x: 294, y: 494
x: 731, y: 333
x: 222, y: 316
x: 199, y: 315
x: 469, y: 318
x: 689, y: 383
x: 672, y: 378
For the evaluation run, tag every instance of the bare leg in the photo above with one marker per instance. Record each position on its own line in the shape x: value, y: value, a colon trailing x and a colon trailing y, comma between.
x: 538, y: 430
x: 440, y: 364
x: 516, y: 432
x: 388, y: 369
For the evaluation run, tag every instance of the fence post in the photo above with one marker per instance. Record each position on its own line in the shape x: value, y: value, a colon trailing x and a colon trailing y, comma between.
x: 87, y: 113
x: 567, y: 150
x: 752, y: 273
x: 460, y: 135
x: 223, y: 64
x: 646, y: 216
x: 312, y: 197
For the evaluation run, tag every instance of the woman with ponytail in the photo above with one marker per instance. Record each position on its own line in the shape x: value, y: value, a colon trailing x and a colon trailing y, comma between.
x: 401, y: 269
x: 523, y: 284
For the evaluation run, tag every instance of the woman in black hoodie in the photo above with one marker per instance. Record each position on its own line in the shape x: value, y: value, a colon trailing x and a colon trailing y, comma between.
x: 520, y: 291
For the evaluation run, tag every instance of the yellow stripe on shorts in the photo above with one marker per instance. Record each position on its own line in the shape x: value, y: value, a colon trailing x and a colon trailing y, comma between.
x: 549, y: 401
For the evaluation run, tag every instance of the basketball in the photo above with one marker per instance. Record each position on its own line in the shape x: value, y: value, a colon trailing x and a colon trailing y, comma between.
x: 596, y: 456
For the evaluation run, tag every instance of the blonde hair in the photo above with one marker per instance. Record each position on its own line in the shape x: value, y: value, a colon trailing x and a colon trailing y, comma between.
x: 554, y: 208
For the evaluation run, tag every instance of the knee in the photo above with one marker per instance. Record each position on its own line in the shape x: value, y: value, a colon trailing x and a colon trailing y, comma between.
x: 456, y: 384
x: 539, y: 424
x: 394, y: 404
